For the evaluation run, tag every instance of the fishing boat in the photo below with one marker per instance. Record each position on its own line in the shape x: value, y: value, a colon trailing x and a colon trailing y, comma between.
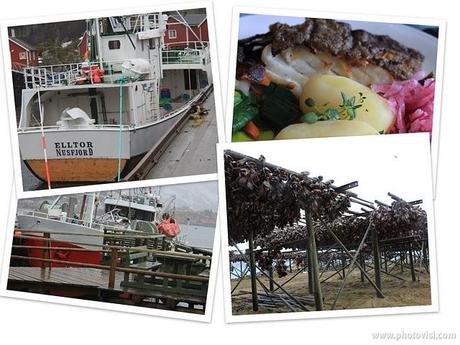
x: 92, y: 121
x: 65, y: 228
x: 68, y: 226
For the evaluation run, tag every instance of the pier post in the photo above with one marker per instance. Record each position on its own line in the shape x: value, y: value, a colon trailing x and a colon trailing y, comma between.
x: 314, y: 260
x: 46, y: 253
x: 252, y: 261
x: 113, y: 265
x: 377, y: 264
x: 270, y: 272
x: 411, y: 261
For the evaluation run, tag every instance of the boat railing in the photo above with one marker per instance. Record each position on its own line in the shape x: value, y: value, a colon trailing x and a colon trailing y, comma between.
x: 183, y: 53
x: 79, y: 73
x: 71, y: 220
x: 75, y: 127
x: 145, y: 22
x: 186, y: 44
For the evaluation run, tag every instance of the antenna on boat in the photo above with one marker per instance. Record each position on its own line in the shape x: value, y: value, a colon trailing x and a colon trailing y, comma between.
x: 126, y: 31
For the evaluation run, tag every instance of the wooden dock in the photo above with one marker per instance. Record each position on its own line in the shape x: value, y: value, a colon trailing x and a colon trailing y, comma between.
x: 149, y: 274
x: 64, y: 276
x: 193, y: 150
x: 91, y: 283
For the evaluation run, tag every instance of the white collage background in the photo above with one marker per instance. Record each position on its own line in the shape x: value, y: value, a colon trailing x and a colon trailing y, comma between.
x: 23, y: 322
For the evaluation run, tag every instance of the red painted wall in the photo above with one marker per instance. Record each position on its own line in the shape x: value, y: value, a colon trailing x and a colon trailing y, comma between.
x: 16, y: 62
x: 181, y: 32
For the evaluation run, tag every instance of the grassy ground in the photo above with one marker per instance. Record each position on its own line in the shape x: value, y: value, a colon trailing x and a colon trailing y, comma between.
x: 355, y: 295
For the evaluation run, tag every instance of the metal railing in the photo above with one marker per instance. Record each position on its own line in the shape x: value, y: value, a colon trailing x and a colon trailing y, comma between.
x: 143, y: 23
x: 186, y: 56
x: 72, y: 74
x: 94, y: 225
x: 86, y: 127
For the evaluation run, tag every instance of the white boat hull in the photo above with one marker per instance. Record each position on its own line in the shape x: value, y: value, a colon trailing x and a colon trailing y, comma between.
x: 30, y: 222
x: 90, y: 155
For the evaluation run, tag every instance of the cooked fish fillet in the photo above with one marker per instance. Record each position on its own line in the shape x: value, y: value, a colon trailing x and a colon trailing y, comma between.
x: 293, y: 67
x: 291, y: 54
x: 357, y: 47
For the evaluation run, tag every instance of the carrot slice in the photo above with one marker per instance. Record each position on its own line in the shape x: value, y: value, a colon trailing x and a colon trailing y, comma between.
x: 252, y: 130
x: 265, y: 81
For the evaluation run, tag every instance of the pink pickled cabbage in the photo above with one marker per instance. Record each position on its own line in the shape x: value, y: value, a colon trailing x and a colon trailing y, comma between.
x: 411, y: 102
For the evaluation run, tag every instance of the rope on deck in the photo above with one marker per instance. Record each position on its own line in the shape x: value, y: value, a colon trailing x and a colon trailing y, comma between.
x: 45, y: 155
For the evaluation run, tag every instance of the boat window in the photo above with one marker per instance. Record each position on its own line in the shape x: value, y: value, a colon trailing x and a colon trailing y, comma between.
x: 172, y: 34
x: 114, y: 44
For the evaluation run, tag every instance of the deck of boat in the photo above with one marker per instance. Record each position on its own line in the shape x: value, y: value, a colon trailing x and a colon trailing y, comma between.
x: 193, y: 150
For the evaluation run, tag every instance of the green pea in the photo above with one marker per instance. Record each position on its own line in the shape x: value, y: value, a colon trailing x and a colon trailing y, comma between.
x: 310, y: 102
x: 310, y: 118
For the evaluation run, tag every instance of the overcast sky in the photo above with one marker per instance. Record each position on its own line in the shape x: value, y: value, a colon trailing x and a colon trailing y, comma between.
x: 400, y: 164
x: 197, y: 196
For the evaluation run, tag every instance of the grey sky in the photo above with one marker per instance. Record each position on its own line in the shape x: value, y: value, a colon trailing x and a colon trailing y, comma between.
x: 400, y: 164
x: 197, y: 196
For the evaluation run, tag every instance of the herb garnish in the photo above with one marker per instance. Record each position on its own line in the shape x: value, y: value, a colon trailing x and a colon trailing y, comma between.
x: 345, y: 111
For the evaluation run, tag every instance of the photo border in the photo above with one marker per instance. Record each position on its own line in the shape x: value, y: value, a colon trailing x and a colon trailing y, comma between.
x: 429, y: 208
x: 17, y: 170
x: 71, y: 301
x: 440, y: 56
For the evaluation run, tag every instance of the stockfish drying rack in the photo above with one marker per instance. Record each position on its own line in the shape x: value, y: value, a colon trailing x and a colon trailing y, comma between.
x: 317, y: 239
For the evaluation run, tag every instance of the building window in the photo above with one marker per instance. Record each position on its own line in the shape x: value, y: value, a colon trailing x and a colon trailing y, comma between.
x: 172, y: 34
x: 114, y: 44
x: 22, y: 56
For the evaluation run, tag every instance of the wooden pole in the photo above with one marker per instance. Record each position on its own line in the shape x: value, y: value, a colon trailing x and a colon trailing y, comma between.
x: 252, y: 262
x: 376, y: 253
x: 309, y: 268
x: 425, y: 257
x: 401, y: 263
x: 113, y: 266
x: 350, y: 256
x: 46, y: 253
x: 385, y: 257
x: 270, y: 273
x: 411, y: 261
x: 361, y: 262
x: 314, y: 260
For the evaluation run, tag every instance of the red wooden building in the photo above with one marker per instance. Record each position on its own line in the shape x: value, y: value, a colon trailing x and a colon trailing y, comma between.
x: 22, y: 53
x: 178, y: 32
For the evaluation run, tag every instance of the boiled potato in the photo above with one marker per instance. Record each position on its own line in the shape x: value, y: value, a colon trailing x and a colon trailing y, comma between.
x: 321, y: 129
x: 327, y: 89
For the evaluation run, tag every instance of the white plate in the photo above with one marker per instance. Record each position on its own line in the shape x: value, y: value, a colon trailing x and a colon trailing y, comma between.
x: 411, y: 37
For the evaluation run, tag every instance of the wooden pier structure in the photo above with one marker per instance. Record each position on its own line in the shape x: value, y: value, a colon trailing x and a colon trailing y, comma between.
x: 143, y: 270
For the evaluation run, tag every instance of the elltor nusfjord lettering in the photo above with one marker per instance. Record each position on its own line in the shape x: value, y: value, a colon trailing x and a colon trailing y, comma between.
x: 74, y: 148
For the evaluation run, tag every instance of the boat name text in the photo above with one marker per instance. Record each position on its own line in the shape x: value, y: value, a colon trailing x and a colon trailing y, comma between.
x: 74, y: 148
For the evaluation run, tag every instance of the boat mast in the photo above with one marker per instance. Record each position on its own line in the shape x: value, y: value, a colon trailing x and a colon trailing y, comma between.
x: 91, y: 214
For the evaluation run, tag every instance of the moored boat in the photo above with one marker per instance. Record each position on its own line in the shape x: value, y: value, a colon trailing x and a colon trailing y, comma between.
x: 92, y: 121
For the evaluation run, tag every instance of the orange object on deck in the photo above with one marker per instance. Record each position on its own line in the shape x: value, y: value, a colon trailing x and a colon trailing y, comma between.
x: 169, y: 228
